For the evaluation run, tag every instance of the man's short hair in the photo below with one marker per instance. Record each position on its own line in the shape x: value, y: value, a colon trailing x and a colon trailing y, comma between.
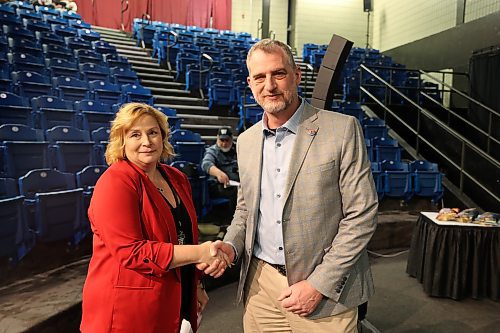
x: 271, y: 46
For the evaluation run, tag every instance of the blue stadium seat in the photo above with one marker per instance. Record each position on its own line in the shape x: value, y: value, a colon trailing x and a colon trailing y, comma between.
x: 14, y: 109
x: 71, y: 149
x: 52, y: 111
x: 16, y: 240
x: 48, y: 11
x: 89, y: 35
x: 92, y: 72
x: 103, y: 47
x: 80, y: 44
x: 249, y: 111
x: 79, y: 24
x: 397, y: 180
x: 106, y: 92
x: 26, y: 46
x: 386, y: 149
x: 220, y: 92
x: 31, y: 84
x: 53, y: 204
x: 136, y: 93
x: 21, y: 149
x: 94, y: 114
x: 100, y: 136
x: 173, y: 120
x: 427, y: 180
x: 47, y: 37
x: 57, y: 51
x: 62, y: 67
x: 29, y: 14
x: 88, y: 56
x: 124, y: 75
x: 26, y: 62
x: 55, y: 19
x: 71, y: 89
x: 71, y: 15
x: 116, y: 60
x: 64, y: 30
x: 86, y: 179
x: 18, y: 32
x: 378, y: 179
x: 188, y: 146
x: 198, y: 182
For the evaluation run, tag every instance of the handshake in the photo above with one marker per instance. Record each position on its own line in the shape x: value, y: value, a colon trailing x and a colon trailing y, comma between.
x: 215, y: 258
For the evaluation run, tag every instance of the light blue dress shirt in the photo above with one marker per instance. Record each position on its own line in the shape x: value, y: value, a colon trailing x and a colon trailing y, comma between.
x: 276, y: 158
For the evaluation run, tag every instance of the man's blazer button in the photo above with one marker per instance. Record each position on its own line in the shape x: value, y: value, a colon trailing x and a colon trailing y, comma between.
x: 342, y: 282
x: 338, y: 290
x: 344, y: 278
x: 145, y: 260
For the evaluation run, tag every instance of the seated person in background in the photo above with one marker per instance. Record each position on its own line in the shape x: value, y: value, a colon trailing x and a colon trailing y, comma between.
x: 220, y: 163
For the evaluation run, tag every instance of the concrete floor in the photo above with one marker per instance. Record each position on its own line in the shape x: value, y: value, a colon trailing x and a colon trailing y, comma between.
x: 399, y: 306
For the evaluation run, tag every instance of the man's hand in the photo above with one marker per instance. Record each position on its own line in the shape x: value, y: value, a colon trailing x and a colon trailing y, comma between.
x: 300, y: 298
x: 222, y: 178
x: 225, y: 253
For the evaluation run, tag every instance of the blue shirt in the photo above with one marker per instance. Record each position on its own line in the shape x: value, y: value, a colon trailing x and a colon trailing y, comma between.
x: 277, y: 152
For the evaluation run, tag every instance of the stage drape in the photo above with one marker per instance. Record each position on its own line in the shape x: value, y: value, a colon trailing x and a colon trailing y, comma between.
x: 455, y: 261
x: 107, y: 13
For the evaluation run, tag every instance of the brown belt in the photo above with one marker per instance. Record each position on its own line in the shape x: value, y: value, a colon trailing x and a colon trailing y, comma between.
x: 280, y: 268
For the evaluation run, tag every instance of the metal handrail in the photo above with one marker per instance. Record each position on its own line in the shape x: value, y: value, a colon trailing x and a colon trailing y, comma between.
x: 489, y: 138
x: 201, y: 71
x: 462, y: 171
x: 460, y: 93
x: 168, y: 46
x: 440, y: 124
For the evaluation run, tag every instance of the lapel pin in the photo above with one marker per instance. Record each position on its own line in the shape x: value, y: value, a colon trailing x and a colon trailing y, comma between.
x: 312, y: 131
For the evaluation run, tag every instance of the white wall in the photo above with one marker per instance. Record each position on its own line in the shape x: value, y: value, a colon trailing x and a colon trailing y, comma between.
x: 475, y: 9
x: 399, y: 22
x: 245, y: 14
x: 278, y: 18
x: 318, y: 20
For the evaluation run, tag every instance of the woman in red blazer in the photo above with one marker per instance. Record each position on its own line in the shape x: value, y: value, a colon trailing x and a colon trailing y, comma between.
x: 141, y: 276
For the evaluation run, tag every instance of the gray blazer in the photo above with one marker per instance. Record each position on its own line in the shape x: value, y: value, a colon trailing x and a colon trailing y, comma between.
x: 330, y: 209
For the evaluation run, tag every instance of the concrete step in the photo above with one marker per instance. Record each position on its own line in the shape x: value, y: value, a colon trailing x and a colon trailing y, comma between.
x: 151, y: 70
x: 162, y: 84
x: 136, y: 52
x: 180, y: 100
x: 119, y: 42
x: 140, y: 58
x: 155, y: 77
x: 200, y: 119
x: 195, y: 110
x: 169, y: 92
x: 151, y: 63
x: 205, y: 129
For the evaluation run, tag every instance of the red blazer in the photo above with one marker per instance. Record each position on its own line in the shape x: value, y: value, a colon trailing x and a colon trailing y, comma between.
x: 129, y: 287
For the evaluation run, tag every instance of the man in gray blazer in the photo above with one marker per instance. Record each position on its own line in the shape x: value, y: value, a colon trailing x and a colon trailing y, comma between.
x: 306, y: 207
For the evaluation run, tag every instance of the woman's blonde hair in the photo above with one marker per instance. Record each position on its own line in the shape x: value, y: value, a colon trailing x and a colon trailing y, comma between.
x: 124, y: 119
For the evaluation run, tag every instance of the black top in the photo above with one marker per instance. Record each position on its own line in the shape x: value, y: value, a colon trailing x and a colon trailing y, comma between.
x: 185, y: 236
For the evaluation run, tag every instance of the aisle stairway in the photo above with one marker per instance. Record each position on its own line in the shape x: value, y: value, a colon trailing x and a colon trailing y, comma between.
x: 190, y: 107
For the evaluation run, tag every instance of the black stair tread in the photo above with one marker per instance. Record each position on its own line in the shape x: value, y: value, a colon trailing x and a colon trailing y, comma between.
x: 156, y: 76
x: 171, y: 91
x: 184, y: 107
x: 162, y: 83
x: 143, y: 58
x: 180, y: 98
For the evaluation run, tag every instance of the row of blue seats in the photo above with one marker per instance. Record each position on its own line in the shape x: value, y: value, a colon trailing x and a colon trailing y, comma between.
x: 76, y: 109
x: 405, y: 180
x: 29, y: 10
x: 45, y: 205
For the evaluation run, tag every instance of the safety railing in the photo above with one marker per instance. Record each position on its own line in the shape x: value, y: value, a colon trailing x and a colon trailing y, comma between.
x: 467, y: 151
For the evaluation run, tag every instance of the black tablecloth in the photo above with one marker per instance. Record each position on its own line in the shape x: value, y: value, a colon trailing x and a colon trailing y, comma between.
x: 455, y: 261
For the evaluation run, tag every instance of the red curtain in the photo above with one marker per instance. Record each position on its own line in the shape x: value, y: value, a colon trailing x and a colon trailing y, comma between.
x: 107, y: 13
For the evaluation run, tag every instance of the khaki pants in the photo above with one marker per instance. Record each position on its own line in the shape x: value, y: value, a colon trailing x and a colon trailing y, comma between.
x: 263, y: 312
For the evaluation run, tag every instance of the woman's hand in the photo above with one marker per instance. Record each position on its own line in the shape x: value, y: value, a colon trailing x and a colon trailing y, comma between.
x: 213, y: 258
x: 202, y: 298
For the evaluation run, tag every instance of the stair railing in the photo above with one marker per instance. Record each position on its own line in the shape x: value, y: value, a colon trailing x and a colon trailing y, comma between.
x: 168, y: 46
x: 421, y: 112
x: 491, y: 113
x: 202, y: 71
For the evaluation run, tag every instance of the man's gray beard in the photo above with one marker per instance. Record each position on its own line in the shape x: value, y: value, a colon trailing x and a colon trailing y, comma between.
x: 277, y: 107
x: 225, y: 150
